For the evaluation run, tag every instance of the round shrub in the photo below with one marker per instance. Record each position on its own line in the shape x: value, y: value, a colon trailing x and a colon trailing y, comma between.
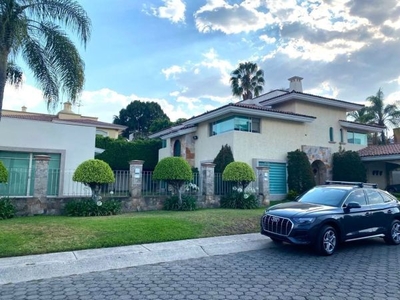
x: 7, y: 209
x: 93, y: 173
x: 3, y: 173
x: 239, y: 172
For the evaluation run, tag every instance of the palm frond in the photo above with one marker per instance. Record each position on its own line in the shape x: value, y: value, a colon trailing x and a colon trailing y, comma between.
x: 14, y: 74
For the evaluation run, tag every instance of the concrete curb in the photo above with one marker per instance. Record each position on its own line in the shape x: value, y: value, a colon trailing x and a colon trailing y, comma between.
x: 36, y: 267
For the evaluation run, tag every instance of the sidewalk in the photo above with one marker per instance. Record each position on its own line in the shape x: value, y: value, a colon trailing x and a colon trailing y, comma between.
x: 35, y: 267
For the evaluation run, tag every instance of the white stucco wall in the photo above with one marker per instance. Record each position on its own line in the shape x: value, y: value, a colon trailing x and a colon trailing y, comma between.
x: 75, y: 143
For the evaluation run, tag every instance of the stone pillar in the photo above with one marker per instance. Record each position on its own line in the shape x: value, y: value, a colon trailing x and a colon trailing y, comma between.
x: 135, y: 177
x: 41, y: 176
x: 207, y: 174
x: 263, y: 185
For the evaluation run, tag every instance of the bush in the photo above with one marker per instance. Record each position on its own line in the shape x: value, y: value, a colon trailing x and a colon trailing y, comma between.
x: 93, y: 173
x: 292, y: 195
x: 118, y: 153
x: 3, y: 173
x: 240, y: 173
x: 7, y: 209
x: 347, y: 166
x: 188, y: 203
x: 223, y: 158
x: 300, y: 175
x: 87, y: 207
x: 239, y: 200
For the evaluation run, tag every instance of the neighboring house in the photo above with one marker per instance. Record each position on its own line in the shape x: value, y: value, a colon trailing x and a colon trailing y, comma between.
x: 261, y: 131
x: 68, y: 138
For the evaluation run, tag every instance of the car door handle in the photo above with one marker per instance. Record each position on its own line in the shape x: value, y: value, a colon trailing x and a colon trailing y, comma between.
x: 368, y: 213
x: 389, y: 211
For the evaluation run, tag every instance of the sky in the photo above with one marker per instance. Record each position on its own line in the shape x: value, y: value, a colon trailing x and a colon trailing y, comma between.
x: 180, y: 53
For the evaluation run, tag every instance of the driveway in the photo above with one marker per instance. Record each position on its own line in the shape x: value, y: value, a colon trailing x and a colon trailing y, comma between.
x: 359, y: 270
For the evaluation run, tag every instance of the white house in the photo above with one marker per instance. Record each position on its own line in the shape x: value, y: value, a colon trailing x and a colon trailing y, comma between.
x: 68, y: 138
x: 261, y: 132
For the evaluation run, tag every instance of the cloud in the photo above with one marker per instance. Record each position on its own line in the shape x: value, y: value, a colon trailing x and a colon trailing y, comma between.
x: 218, y: 15
x: 173, y: 10
x: 171, y: 71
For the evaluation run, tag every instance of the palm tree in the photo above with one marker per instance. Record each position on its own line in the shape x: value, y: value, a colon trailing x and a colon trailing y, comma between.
x: 247, y: 81
x: 32, y: 29
x: 361, y: 116
x: 384, y: 115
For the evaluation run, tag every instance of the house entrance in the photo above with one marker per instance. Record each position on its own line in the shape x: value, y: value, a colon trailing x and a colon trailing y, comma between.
x: 319, y: 171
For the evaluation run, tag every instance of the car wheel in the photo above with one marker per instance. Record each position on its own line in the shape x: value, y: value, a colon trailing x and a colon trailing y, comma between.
x: 327, y: 241
x: 276, y: 241
x: 392, y: 237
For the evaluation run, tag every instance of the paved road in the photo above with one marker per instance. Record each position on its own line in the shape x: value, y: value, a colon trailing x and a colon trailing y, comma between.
x: 363, y: 270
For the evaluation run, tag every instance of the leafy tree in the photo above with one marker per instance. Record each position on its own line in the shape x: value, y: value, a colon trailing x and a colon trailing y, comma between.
x: 176, y: 171
x: 347, y: 166
x: 3, y: 173
x: 247, y: 81
x: 160, y: 124
x: 240, y: 173
x: 223, y: 158
x: 300, y: 175
x: 93, y: 173
x: 138, y: 117
x: 33, y: 29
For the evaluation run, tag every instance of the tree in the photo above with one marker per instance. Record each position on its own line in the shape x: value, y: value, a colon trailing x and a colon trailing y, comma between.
x: 347, y: 166
x: 247, y: 81
x: 33, y: 29
x: 3, y: 173
x: 93, y: 173
x: 300, y: 175
x: 240, y: 173
x: 176, y: 171
x: 223, y: 158
x: 138, y: 117
x: 361, y: 116
x: 381, y: 114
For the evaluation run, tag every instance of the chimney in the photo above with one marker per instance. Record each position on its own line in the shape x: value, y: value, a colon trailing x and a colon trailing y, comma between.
x: 67, y: 107
x: 23, y: 108
x: 295, y: 84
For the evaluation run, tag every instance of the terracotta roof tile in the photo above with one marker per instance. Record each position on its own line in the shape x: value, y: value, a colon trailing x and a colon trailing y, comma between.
x: 378, y: 150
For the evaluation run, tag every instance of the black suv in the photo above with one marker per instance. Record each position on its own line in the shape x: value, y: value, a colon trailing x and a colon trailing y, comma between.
x: 332, y: 213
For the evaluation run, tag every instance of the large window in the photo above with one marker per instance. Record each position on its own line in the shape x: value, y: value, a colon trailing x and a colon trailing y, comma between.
x: 357, y: 138
x: 238, y: 123
x: 21, y: 170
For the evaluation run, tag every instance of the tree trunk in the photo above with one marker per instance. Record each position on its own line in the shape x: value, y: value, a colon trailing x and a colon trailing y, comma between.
x: 3, y: 76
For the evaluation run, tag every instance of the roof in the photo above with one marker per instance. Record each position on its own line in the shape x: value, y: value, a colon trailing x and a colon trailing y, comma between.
x: 312, y: 98
x: 380, y: 150
x: 55, y: 119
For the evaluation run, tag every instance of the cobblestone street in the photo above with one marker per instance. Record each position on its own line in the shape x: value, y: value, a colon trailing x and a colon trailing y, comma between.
x: 361, y: 270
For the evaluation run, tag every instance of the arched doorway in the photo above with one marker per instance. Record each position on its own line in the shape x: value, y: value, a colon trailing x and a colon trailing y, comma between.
x: 319, y: 171
x: 177, y: 148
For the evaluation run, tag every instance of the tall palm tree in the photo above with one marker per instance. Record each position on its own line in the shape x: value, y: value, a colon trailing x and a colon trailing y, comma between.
x: 247, y: 81
x: 32, y: 29
x: 361, y: 116
x: 384, y: 115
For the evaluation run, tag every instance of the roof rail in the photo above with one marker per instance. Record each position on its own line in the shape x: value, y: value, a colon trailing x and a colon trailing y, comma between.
x: 359, y: 184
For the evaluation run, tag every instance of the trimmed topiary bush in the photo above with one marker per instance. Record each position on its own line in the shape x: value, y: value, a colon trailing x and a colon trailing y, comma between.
x: 223, y: 158
x: 3, y: 173
x: 176, y: 171
x: 347, y: 166
x: 93, y: 173
x: 240, y: 173
x: 300, y: 175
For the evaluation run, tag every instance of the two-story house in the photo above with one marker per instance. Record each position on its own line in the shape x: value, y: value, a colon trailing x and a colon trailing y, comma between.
x: 261, y: 131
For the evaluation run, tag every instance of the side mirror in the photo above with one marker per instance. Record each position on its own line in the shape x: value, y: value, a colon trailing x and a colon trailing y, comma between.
x: 353, y: 205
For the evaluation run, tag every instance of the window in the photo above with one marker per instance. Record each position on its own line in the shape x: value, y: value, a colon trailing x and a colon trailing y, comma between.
x: 163, y: 143
x: 357, y: 196
x: 374, y: 197
x: 356, y: 138
x: 341, y: 135
x: 330, y: 134
x: 238, y: 123
x: 177, y: 148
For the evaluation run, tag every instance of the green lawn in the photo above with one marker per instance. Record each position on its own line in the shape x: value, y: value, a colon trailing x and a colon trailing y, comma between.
x: 45, y: 234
